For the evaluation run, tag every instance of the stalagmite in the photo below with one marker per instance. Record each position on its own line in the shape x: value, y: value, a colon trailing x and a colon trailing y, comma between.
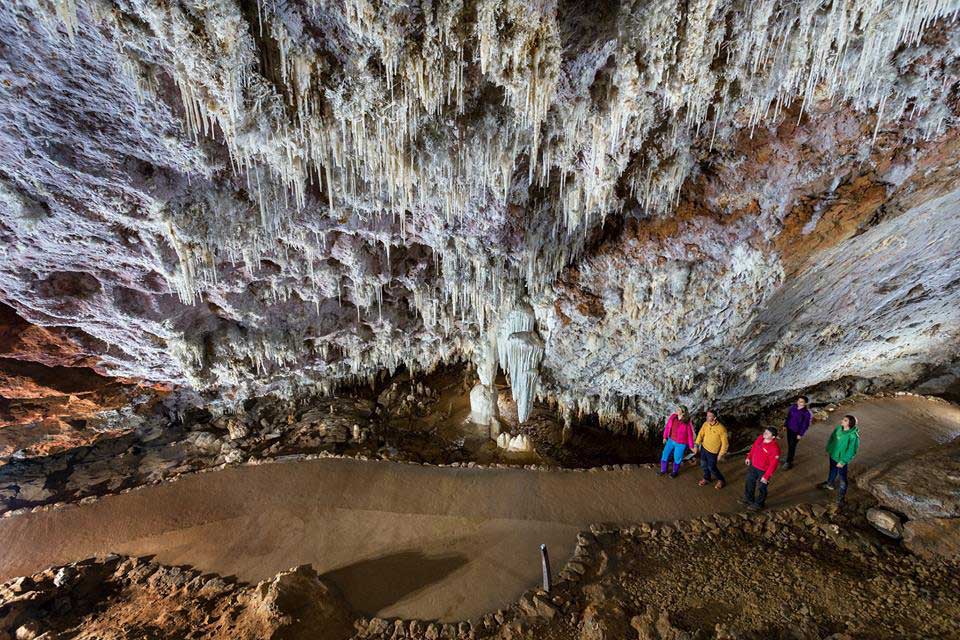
x: 483, y: 405
x: 483, y: 396
x: 516, y: 444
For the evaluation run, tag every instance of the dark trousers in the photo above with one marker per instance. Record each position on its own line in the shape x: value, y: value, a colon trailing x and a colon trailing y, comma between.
x: 751, y: 490
x: 708, y: 462
x: 838, y: 472
x: 791, y: 445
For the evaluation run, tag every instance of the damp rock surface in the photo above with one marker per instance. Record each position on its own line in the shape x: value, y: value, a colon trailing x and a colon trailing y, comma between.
x: 710, y: 203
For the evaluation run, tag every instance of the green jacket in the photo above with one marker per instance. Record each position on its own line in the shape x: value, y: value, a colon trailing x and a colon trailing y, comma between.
x: 843, y: 445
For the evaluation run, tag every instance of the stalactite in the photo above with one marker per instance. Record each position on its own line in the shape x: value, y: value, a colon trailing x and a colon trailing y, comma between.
x: 407, y: 136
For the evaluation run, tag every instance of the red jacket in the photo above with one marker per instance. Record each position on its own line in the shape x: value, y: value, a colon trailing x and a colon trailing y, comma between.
x: 764, y: 456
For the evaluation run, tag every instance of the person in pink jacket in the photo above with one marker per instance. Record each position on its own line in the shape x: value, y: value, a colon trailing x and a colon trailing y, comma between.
x: 677, y: 437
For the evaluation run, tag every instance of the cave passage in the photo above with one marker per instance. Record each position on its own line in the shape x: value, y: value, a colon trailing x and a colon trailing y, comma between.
x: 420, y: 541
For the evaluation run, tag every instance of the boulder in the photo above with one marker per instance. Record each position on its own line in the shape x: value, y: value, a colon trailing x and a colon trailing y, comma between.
x: 236, y: 428
x: 654, y: 624
x: 537, y: 606
x: 923, y: 486
x: 885, y: 522
x: 297, y: 604
x: 933, y: 538
x: 604, y: 620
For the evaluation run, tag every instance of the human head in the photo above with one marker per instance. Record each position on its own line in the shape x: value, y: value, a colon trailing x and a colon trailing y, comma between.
x: 849, y: 421
x: 769, y: 433
x: 681, y: 411
x: 712, y: 415
x: 802, y: 401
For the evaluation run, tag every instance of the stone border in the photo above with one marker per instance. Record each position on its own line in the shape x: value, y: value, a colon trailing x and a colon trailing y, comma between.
x: 325, y: 455
x: 365, y: 458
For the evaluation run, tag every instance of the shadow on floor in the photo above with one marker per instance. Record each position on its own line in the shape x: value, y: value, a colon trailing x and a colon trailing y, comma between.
x: 372, y: 585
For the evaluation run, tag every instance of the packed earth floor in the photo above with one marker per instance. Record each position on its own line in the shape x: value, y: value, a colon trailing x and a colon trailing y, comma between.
x: 453, y: 551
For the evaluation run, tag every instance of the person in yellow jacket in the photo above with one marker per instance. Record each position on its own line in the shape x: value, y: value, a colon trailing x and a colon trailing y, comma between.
x: 712, y: 442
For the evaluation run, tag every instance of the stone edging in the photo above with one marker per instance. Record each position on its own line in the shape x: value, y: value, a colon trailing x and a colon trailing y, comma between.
x: 364, y: 458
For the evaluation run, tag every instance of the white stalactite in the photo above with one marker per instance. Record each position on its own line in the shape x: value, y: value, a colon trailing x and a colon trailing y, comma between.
x: 524, y: 353
x: 404, y: 149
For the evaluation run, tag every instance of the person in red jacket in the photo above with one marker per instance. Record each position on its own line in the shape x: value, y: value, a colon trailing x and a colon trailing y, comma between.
x: 761, y: 462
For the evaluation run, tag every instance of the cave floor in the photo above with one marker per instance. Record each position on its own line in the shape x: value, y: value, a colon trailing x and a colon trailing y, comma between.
x: 418, y: 541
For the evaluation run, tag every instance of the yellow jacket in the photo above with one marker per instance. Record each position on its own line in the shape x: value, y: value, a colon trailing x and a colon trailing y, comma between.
x: 713, y: 438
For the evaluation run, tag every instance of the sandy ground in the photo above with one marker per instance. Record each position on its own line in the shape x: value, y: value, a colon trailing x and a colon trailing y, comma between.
x: 421, y: 542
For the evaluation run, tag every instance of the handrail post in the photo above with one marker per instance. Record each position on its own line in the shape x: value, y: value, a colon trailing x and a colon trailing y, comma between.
x: 546, y: 567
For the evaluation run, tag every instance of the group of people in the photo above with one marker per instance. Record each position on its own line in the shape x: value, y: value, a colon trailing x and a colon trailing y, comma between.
x: 763, y: 458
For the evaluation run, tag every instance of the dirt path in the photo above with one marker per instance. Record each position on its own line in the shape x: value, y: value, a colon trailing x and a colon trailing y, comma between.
x: 421, y: 542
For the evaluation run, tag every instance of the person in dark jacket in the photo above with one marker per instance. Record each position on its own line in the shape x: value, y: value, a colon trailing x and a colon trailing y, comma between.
x: 797, y: 422
x: 761, y: 462
x: 842, y: 446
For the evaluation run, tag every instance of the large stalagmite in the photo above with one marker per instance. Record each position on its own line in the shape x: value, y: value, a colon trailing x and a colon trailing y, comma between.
x: 243, y: 197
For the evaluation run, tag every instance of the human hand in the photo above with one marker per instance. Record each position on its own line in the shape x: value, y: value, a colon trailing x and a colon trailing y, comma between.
x: 721, y: 457
x: 840, y: 465
x: 664, y: 441
x: 799, y: 438
x: 747, y: 462
x: 764, y: 480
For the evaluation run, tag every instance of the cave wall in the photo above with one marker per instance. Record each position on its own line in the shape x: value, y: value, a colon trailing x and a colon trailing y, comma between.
x: 706, y: 201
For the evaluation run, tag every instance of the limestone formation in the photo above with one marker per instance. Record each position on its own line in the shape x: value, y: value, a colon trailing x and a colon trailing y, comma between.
x: 709, y: 201
x: 483, y: 405
x: 520, y: 443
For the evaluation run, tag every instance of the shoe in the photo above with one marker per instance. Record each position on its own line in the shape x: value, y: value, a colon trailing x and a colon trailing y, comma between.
x: 826, y: 485
x: 743, y: 501
x: 753, y: 506
x: 788, y: 465
x: 674, y: 474
x: 720, y: 484
x: 702, y: 483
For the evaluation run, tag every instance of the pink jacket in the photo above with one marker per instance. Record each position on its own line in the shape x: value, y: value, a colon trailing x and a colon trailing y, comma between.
x: 679, y: 431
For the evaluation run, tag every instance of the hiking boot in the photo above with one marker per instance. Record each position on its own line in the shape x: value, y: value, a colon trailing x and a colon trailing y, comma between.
x: 720, y: 484
x: 826, y: 485
x: 788, y: 465
x: 703, y: 483
x: 743, y: 501
x: 753, y: 506
x: 673, y: 474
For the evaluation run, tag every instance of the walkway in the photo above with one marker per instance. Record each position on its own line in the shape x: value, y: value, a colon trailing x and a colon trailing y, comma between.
x: 412, y: 541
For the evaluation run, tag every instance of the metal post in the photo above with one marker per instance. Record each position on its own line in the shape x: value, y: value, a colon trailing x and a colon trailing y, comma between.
x: 546, y: 567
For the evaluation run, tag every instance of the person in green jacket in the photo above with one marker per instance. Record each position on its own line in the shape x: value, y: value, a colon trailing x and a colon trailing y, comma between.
x: 841, y: 448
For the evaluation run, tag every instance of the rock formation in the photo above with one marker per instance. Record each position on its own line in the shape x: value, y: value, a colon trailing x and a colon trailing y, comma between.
x: 925, y: 490
x: 714, y: 201
x: 117, y: 597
